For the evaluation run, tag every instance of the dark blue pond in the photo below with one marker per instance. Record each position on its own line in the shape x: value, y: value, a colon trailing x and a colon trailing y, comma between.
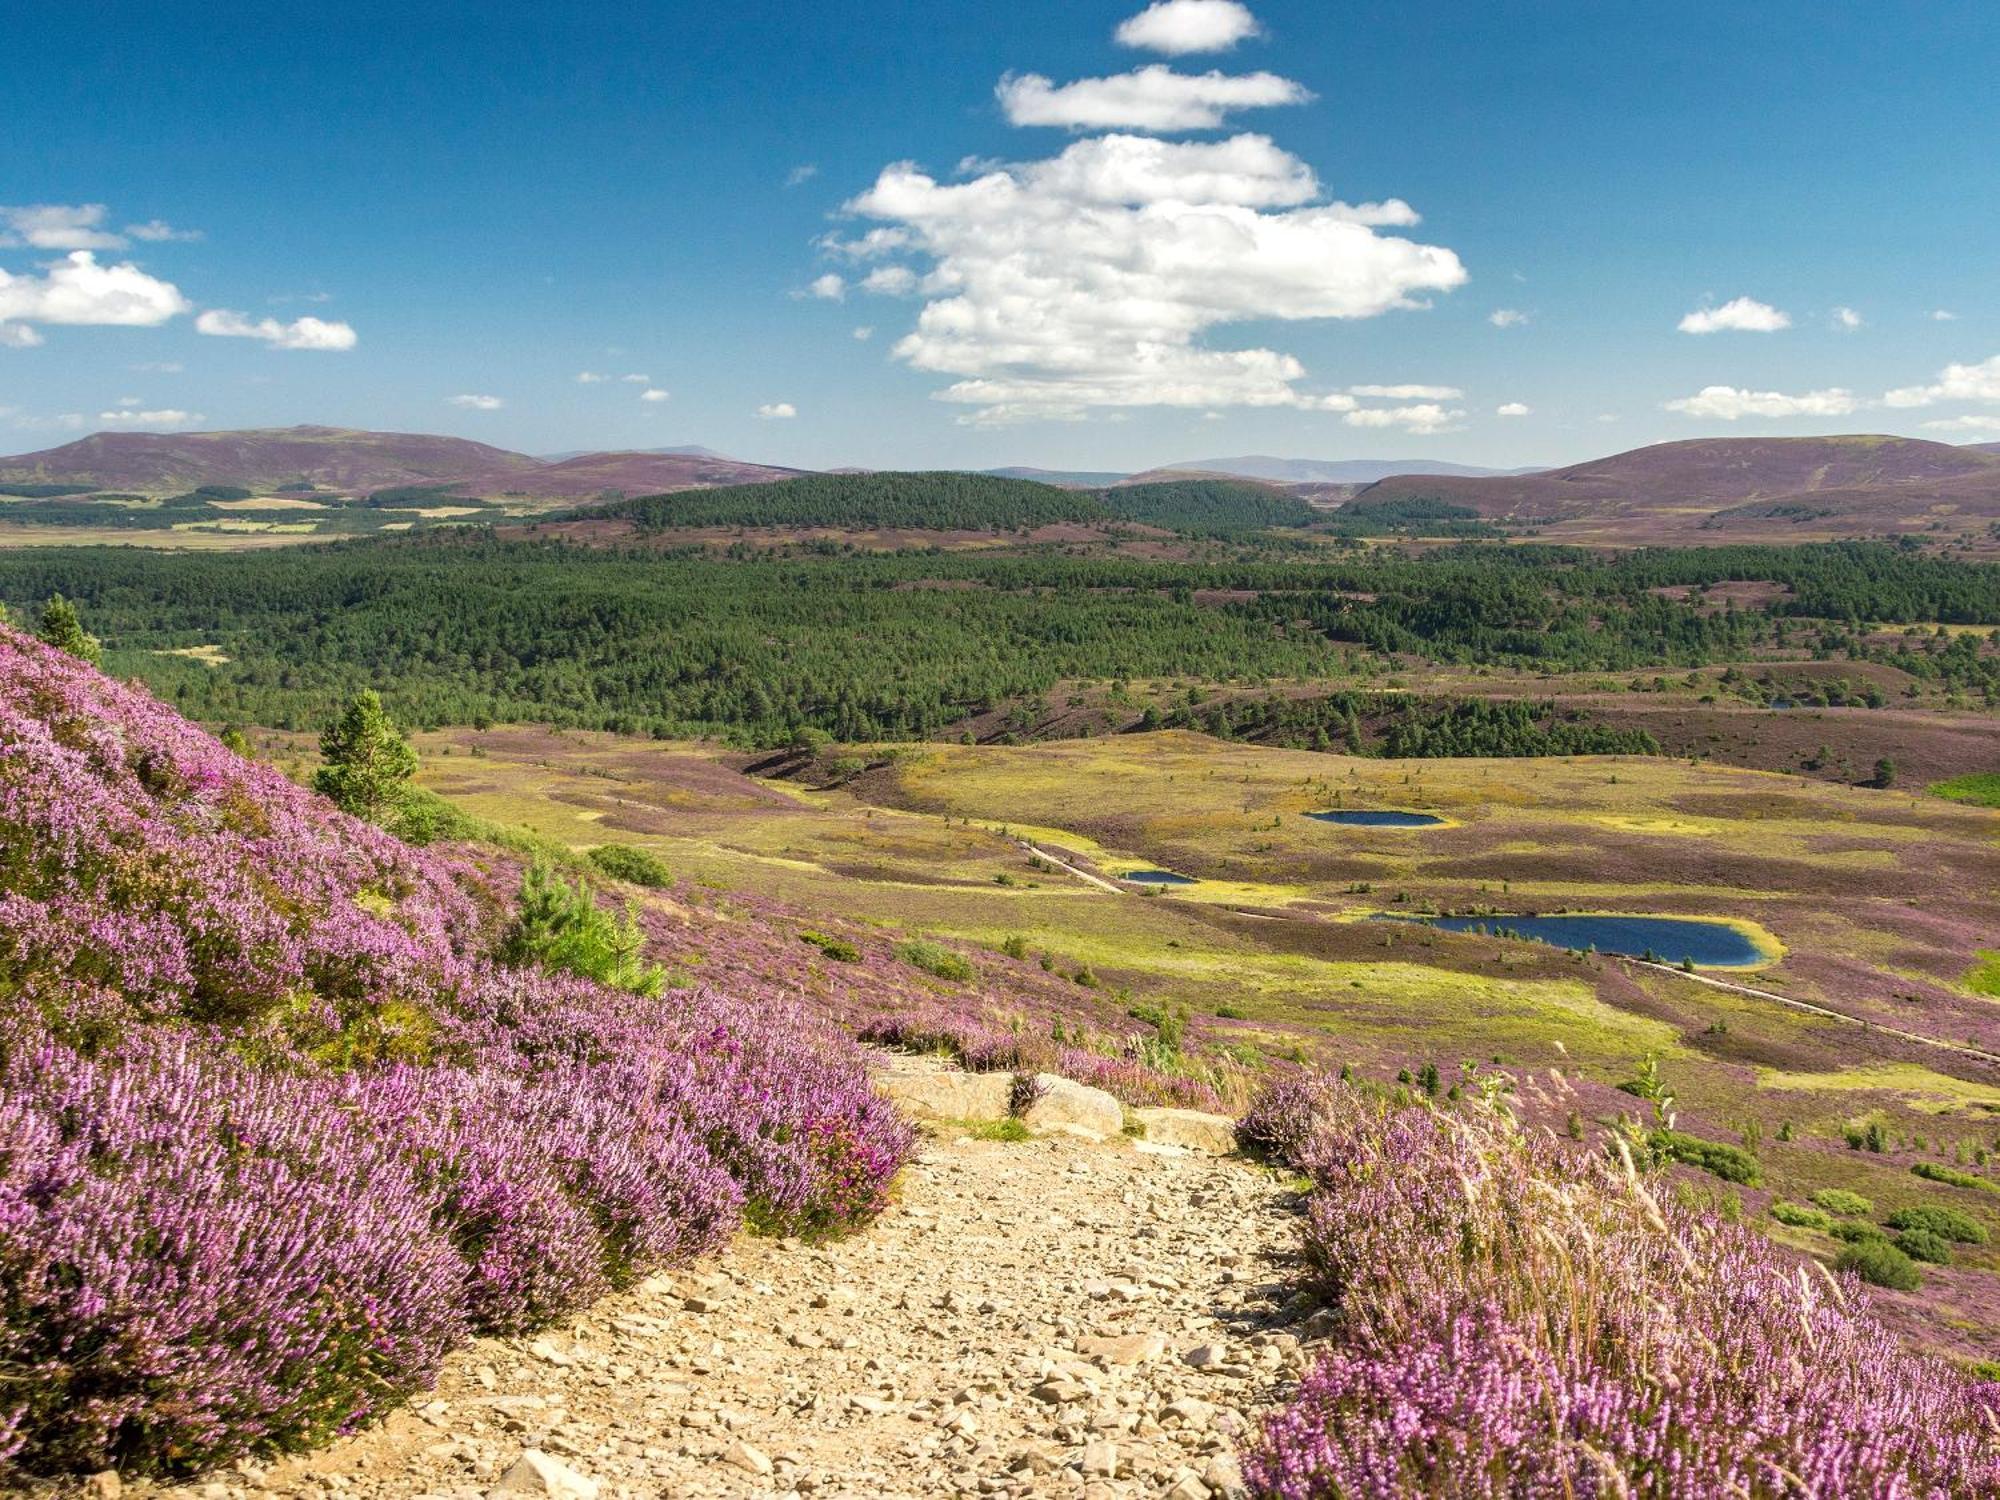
x: 1670, y: 939
x: 1156, y: 877
x: 1379, y: 819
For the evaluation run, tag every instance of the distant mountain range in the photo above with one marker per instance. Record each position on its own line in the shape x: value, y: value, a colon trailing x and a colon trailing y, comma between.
x: 1707, y: 489
x: 1827, y: 486
x: 348, y: 461
x: 1329, y: 470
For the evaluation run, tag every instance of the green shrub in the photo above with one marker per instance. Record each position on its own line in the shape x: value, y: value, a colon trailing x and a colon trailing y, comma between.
x: 1009, y: 1129
x: 635, y: 866
x: 423, y: 817
x: 1841, y: 1201
x: 837, y: 949
x: 560, y: 926
x: 1799, y: 1216
x: 1921, y: 1244
x: 1946, y: 1223
x: 1014, y: 946
x: 1231, y: 1013
x: 1730, y: 1163
x: 1855, y: 1232
x: 1881, y: 1264
x: 1953, y: 1177
x: 934, y: 960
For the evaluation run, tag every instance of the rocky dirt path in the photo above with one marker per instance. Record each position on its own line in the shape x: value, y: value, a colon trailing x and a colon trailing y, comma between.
x: 1042, y: 1318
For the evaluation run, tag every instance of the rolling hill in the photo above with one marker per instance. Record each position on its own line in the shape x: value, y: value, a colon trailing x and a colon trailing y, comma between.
x: 350, y: 461
x: 1324, y: 470
x: 1797, y: 488
x: 334, y: 458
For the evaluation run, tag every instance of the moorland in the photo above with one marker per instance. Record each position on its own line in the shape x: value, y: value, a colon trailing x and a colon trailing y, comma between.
x: 885, y: 752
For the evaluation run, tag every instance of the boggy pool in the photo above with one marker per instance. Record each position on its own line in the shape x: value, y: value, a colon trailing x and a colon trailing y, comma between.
x: 1157, y: 877
x: 1383, y: 819
x: 1709, y: 944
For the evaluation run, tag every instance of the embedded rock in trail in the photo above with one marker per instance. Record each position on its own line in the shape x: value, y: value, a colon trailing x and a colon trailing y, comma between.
x: 538, y: 1474
x: 1015, y: 1324
x: 1190, y: 1129
x: 1063, y: 1106
x: 933, y: 1094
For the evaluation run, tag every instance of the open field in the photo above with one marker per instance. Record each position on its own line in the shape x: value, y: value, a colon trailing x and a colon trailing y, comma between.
x: 1874, y: 904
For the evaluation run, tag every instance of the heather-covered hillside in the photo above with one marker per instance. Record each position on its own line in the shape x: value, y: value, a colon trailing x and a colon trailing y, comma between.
x: 231, y: 1017
x: 1516, y: 1315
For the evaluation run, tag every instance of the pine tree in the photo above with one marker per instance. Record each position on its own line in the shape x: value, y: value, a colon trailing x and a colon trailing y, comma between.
x: 368, y: 763
x: 62, y: 629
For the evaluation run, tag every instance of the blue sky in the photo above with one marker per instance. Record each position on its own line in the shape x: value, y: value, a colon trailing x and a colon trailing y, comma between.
x: 487, y: 201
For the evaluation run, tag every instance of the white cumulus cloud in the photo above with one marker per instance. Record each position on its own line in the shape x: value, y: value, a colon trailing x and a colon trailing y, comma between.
x: 829, y: 288
x: 1943, y: 315
x: 1739, y: 315
x: 1507, y: 317
x: 1846, y: 319
x: 1087, y: 280
x: 590, y: 377
x: 300, y: 333
x: 1726, y: 403
x: 655, y: 394
x: 777, y: 411
x: 1512, y: 409
x: 1425, y: 417
x: 890, y: 281
x: 77, y: 290
x: 1178, y: 27
x: 1980, y: 382
x: 473, y: 402
x: 1970, y: 423
x: 1154, y: 97
x: 18, y: 336
x: 57, y: 226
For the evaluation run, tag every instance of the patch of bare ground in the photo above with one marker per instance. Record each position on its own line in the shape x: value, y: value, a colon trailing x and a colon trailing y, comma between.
x: 1038, y: 1318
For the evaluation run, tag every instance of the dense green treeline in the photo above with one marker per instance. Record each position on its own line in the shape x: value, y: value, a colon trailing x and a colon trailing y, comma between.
x: 866, y: 502
x: 457, y: 627
x: 1207, y: 507
x: 1398, y: 726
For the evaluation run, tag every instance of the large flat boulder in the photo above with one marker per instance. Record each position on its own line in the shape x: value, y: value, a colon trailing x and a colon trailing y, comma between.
x: 1190, y: 1129
x: 1065, y: 1107
x: 948, y: 1095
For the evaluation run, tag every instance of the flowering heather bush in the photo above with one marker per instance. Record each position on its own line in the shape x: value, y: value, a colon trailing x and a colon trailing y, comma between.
x: 1519, y: 1317
x: 232, y: 1020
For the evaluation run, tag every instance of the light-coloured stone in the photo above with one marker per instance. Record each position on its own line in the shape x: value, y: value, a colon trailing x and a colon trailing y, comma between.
x: 948, y: 1095
x: 1123, y: 1349
x: 1066, y: 1107
x: 1191, y: 1129
x: 103, y: 1485
x: 750, y: 1460
x: 536, y: 1473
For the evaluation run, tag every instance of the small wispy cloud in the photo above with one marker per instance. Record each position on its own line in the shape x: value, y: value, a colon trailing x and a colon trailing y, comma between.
x: 300, y: 333
x: 159, y: 231
x: 1512, y: 409
x: 777, y: 411
x: 1738, y: 315
x: 654, y: 394
x: 473, y: 402
x: 803, y: 173
x: 1846, y: 319
x: 1507, y: 317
